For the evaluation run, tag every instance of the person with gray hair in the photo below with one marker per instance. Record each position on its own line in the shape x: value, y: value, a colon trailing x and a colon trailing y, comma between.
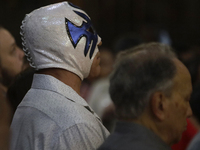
x: 62, y: 45
x: 150, y: 89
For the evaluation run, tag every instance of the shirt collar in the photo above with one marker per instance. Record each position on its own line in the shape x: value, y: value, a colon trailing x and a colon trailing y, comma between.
x: 55, y: 85
x: 52, y: 84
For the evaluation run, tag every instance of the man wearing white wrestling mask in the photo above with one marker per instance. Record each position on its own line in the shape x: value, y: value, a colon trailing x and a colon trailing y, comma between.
x: 61, y: 44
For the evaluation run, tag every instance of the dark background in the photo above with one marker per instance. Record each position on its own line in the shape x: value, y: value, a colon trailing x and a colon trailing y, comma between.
x: 113, y: 18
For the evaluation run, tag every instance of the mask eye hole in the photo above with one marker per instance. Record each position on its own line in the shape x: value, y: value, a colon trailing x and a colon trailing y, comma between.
x: 90, y: 30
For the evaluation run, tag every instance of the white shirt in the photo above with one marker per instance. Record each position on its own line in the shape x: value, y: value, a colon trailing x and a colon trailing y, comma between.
x: 52, y: 116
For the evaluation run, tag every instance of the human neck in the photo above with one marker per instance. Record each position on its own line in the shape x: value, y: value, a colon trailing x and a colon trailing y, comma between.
x: 64, y: 76
x: 155, y: 126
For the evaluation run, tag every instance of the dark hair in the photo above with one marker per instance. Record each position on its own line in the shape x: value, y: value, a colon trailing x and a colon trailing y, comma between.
x: 126, y: 41
x: 138, y: 73
x: 20, y: 87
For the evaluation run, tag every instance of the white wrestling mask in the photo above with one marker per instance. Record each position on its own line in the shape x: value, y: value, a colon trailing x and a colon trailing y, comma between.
x: 60, y: 36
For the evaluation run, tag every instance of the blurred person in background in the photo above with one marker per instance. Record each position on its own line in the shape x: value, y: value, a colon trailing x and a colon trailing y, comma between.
x: 107, y: 59
x: 150, y: 89
x: 61, y: 44
x: 99, y: 97
x: 11, y: 64
x: 126, y: 41
x: 11, y: 59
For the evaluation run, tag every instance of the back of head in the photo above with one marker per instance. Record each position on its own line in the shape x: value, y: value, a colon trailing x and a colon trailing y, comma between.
x: 60, y: 36
x: 138, y: 73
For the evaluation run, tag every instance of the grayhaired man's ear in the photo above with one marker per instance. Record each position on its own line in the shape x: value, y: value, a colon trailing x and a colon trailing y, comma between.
x: 158, y: 105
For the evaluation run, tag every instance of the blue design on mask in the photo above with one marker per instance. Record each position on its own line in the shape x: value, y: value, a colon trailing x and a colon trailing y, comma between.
x: 86, y: 30
x: 71, y: 4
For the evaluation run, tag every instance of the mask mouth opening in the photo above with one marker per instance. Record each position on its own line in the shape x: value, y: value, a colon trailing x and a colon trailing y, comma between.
x: 90, y: 30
